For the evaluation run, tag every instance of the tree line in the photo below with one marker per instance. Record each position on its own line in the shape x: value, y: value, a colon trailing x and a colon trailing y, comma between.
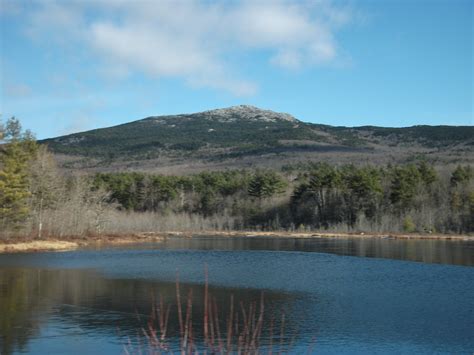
x: 411, y: 197
x: 36, y: 198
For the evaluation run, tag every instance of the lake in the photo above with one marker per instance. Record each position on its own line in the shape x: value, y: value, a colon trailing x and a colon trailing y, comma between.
x: 320, y: 295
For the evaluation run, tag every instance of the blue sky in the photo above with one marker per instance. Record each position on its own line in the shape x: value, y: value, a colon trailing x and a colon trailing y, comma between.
x: 73, y: 65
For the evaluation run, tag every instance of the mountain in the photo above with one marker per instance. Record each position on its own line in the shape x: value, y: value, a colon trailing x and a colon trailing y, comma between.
x: 244, y: 135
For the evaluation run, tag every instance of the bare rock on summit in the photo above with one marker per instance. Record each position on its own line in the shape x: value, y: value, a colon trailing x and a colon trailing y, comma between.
x: 246, y: 112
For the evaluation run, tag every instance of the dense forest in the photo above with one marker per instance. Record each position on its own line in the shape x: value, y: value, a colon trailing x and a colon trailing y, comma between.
x: 409, y: 198
x: 37, y: 199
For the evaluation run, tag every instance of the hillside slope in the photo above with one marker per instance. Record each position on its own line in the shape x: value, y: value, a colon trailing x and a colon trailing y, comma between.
x: 245, y: 135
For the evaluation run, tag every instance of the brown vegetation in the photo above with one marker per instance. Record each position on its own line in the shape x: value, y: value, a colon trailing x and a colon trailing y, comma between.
x: 240, y: 331
x: 38, y: 245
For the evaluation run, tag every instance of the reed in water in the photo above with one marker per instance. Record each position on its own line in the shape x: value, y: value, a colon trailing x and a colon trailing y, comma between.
x: 244, y: 329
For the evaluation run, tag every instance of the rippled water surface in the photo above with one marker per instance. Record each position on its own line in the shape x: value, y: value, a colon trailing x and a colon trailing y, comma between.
x: 337, y: 296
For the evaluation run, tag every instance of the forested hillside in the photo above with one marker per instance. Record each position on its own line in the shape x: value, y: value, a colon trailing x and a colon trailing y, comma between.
x: 244, y: 136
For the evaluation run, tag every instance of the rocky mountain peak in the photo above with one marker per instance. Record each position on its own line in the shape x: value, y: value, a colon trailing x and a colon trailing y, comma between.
x: 246, y: 112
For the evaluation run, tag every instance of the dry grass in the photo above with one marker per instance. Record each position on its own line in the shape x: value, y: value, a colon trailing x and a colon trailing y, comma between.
x: 27, y: 244
x: 38, y: 245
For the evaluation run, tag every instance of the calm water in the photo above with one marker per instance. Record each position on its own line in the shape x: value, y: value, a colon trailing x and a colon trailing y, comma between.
x: 338, y: 296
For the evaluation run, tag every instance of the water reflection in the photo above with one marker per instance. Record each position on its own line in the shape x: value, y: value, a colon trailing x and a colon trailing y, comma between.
x: 426, y: 250
x: 93, y: 301
x: 59, y: 304
x: 20, y: 300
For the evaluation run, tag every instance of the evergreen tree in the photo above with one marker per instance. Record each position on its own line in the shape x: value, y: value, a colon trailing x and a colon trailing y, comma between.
x: 427, y: 172
x: 405, y: 182
x: 461, y: 175
x: 15, y: 156
x: 362, y: 192
x: 266, y: 184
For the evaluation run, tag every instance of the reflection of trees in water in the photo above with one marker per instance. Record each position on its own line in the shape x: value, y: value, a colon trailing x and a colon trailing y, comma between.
x: 109, y: 307
x: 428, y: 251
x: 23, y: 303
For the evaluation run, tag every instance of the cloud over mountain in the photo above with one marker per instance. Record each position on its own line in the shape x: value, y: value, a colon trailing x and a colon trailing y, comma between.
x: 198, y: 42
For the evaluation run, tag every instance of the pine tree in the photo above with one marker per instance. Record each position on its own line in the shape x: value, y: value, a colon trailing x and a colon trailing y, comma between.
x: 461, y: 175
x: 405, y: 182
x: 266, y: 184
x: 427, y: 172
x: 15, y: 156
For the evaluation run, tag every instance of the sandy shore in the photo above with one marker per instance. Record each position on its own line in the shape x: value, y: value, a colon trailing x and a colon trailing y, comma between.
x: 13, y: 245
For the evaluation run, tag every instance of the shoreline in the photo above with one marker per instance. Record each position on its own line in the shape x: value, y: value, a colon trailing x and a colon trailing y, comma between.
x: 13, y: 245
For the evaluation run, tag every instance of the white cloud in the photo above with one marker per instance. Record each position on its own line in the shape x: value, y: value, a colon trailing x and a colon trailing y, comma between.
x: 193, y: 40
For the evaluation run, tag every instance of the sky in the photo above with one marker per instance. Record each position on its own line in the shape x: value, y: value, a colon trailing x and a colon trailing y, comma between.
x: 74, y: 65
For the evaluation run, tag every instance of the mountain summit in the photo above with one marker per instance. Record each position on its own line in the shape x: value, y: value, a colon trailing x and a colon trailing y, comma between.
x: 226, y: 129
x: 245, y: 135
x: 233, y: 114
x: 246, y: 112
